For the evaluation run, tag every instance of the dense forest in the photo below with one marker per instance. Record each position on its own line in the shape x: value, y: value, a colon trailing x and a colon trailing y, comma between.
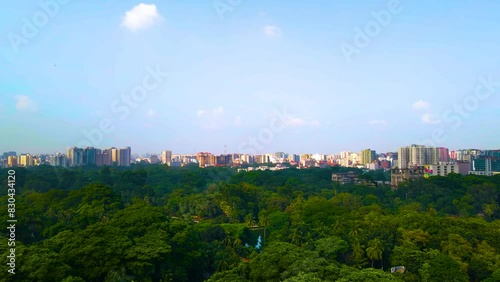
x: 157, y: 223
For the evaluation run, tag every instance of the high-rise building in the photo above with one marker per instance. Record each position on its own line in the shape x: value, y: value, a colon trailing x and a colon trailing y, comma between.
x: 107, y: 157
x: 294, y: 158
x: 153, y: 159
x: 224, y: 160
x: 443, y: 154
x: 124, y: 156
x: 114, y: 156
x: 25, y: 160
x: 485, y: 166
x: 90, y: 156
x: 6, y: 155
x: 368, y: 156
x: 75, y: 156
x: 11, y: 161
x: 166, y: 157
x: 261, y: 159
x: 58, y: 160
x: 467, y: 155
x: 417, y: 155
x: 318, y: 157
x: 453, y: 156
x: 205, y: 159
x: 492, y: 153
x: 245, y: 158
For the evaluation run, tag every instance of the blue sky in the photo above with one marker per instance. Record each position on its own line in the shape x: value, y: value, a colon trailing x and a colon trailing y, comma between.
x: 230, y: 70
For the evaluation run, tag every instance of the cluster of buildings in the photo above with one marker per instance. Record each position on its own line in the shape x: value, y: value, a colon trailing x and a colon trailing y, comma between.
x: 74, y: 157
x: 418, y: 161
x: 407, y: 163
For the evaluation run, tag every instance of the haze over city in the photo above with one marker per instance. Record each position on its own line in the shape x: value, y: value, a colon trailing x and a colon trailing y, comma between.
x: 219, y: 76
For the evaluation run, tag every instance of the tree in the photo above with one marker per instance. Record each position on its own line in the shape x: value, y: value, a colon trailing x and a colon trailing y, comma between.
x: 358, y: 255
x: 440, y: 267
x: 331, y: 247
x: 374, y: 250
x: 365, y: 275
x: 263, y: 221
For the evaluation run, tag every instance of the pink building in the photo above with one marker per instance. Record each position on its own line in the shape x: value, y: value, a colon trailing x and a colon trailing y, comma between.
x: 443, y: 154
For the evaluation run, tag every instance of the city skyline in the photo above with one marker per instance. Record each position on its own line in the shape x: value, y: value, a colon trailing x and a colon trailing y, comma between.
x: 224, y: 152
x: 338, y: 76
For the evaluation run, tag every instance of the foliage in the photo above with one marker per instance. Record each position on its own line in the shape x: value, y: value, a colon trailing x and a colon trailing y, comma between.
x: 157, y: 223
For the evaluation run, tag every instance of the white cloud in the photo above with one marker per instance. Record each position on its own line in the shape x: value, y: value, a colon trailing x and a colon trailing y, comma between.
x: 200, y: 113
x: 296, y: 122
x: 430, y: 119
x: 140, y: 17
x: 421, y: 105
x: 272, y: 31
x: 24, y: 103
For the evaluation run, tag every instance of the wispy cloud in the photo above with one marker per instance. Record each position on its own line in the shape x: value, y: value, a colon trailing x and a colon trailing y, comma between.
x: 25, y: 103
x: 141, y: 16
x: 424, y: 108
x: 420, y: 105
x: 428, y: 118
x: 272, y: 31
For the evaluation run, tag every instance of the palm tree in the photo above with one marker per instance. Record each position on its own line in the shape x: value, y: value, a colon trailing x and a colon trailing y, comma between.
x: 250, y: 220
x: 228, y: 241
x: 339, y: 226
x: 358, y: 254
x: 355, y: 228
x: 222, y: 261
x: 374, y: 250
x: 296, y: 237
x: 263, y: 221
